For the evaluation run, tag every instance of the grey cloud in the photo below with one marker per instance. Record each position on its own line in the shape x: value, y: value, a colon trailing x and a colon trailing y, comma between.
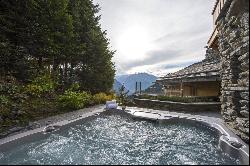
x: 154, y: 57
x: 187, y: 33
x: 177, y: 27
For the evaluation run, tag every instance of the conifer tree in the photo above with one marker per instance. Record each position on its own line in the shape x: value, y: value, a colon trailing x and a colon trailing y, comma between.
x: 63, y: 37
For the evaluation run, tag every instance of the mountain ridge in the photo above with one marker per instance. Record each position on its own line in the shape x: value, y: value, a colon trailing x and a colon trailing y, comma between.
x: 129, y: 80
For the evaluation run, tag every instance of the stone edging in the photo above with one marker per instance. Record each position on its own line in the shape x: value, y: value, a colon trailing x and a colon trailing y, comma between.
x: 49, y: 120
x: 178, y: 106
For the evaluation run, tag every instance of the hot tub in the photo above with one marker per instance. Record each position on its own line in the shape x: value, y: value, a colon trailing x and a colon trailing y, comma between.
x: 127, y: 137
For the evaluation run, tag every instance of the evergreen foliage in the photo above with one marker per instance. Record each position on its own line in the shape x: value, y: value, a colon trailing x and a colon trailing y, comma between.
x: 123, y: 96
x: 52, y: 52
x: 61, y: 37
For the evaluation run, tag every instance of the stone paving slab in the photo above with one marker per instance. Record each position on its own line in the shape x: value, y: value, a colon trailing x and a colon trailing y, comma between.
x: 67, y: 116
x: 211, y: 115
x: 50, y: 120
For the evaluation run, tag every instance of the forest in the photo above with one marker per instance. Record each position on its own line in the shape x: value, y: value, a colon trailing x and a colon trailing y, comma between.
x: 54, y: 57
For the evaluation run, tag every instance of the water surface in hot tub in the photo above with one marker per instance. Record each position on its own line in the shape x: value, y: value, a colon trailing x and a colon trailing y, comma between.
x: 117, y: 139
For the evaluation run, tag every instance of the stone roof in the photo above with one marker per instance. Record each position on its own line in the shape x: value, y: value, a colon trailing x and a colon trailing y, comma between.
x: 208, y: 68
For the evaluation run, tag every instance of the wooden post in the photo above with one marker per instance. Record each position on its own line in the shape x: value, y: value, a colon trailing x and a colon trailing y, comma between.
x: 195, y: 90
x: 171, y: 89
x: 140, y: 87
x: 136, y: 87
x: 181, y: 89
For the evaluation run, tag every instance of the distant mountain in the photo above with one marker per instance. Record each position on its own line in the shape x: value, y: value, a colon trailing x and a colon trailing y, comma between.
x: 154, y: 89
x: 117, y: 85
x: 122, y: 78
x: 130, y: 81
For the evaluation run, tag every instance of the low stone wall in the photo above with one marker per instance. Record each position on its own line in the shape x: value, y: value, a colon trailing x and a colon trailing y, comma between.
x: 177, y: 106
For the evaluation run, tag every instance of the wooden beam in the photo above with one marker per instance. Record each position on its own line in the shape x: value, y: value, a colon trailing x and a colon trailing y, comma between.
x: 136, y: 87
x: 181, y: 89
x: 194, y: 79
x: 140, y: 88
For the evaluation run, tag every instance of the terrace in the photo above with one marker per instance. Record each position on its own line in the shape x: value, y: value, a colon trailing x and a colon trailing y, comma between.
x: 199, y: 79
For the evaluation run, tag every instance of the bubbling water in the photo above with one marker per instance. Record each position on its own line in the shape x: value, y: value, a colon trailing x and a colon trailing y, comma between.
x: 118, y: 139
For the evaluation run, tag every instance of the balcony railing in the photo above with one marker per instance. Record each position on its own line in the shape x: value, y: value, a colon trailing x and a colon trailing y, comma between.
x: 217, y: 9
x: 212, y: 37
x: 216, y: 12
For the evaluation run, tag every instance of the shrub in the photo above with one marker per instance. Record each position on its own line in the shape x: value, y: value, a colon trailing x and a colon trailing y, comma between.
x: 73, y: 100
x: 101, y: 98
x: 4, y: 112
x: 173, y: 98
x: 74, y: 87
x: 123, y: 96
x: 41, y: 85
x: 10, y: 89
x: 4, y: 100
x: 33, y: 90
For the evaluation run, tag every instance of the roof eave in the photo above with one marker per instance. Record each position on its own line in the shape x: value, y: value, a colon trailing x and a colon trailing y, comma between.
x: 193, y: 79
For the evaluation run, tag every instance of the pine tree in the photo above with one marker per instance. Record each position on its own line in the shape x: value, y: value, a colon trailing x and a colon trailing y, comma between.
x: 63, y: 37
x: 97, y: 72
x: 123, y: 95
x: 13, y: 27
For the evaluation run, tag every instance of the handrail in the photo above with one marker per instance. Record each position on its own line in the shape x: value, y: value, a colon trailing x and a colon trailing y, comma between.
x: 214, y: 33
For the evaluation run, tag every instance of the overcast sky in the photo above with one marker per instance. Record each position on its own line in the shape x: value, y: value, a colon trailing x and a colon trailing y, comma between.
x: 156, y: 36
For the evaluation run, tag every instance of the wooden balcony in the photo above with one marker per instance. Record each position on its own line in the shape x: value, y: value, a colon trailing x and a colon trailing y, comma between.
x: 217, y: 9
x: 212, y: 42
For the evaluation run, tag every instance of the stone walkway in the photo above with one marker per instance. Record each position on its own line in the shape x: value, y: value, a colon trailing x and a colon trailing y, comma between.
x: 66, y: 116
x: 49, y: 120
x: 205, y: 114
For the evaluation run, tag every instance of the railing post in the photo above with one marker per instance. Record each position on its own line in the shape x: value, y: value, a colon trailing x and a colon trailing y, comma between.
x: 136, y: 87
x: 140, y: 87
x: 181, y: 89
